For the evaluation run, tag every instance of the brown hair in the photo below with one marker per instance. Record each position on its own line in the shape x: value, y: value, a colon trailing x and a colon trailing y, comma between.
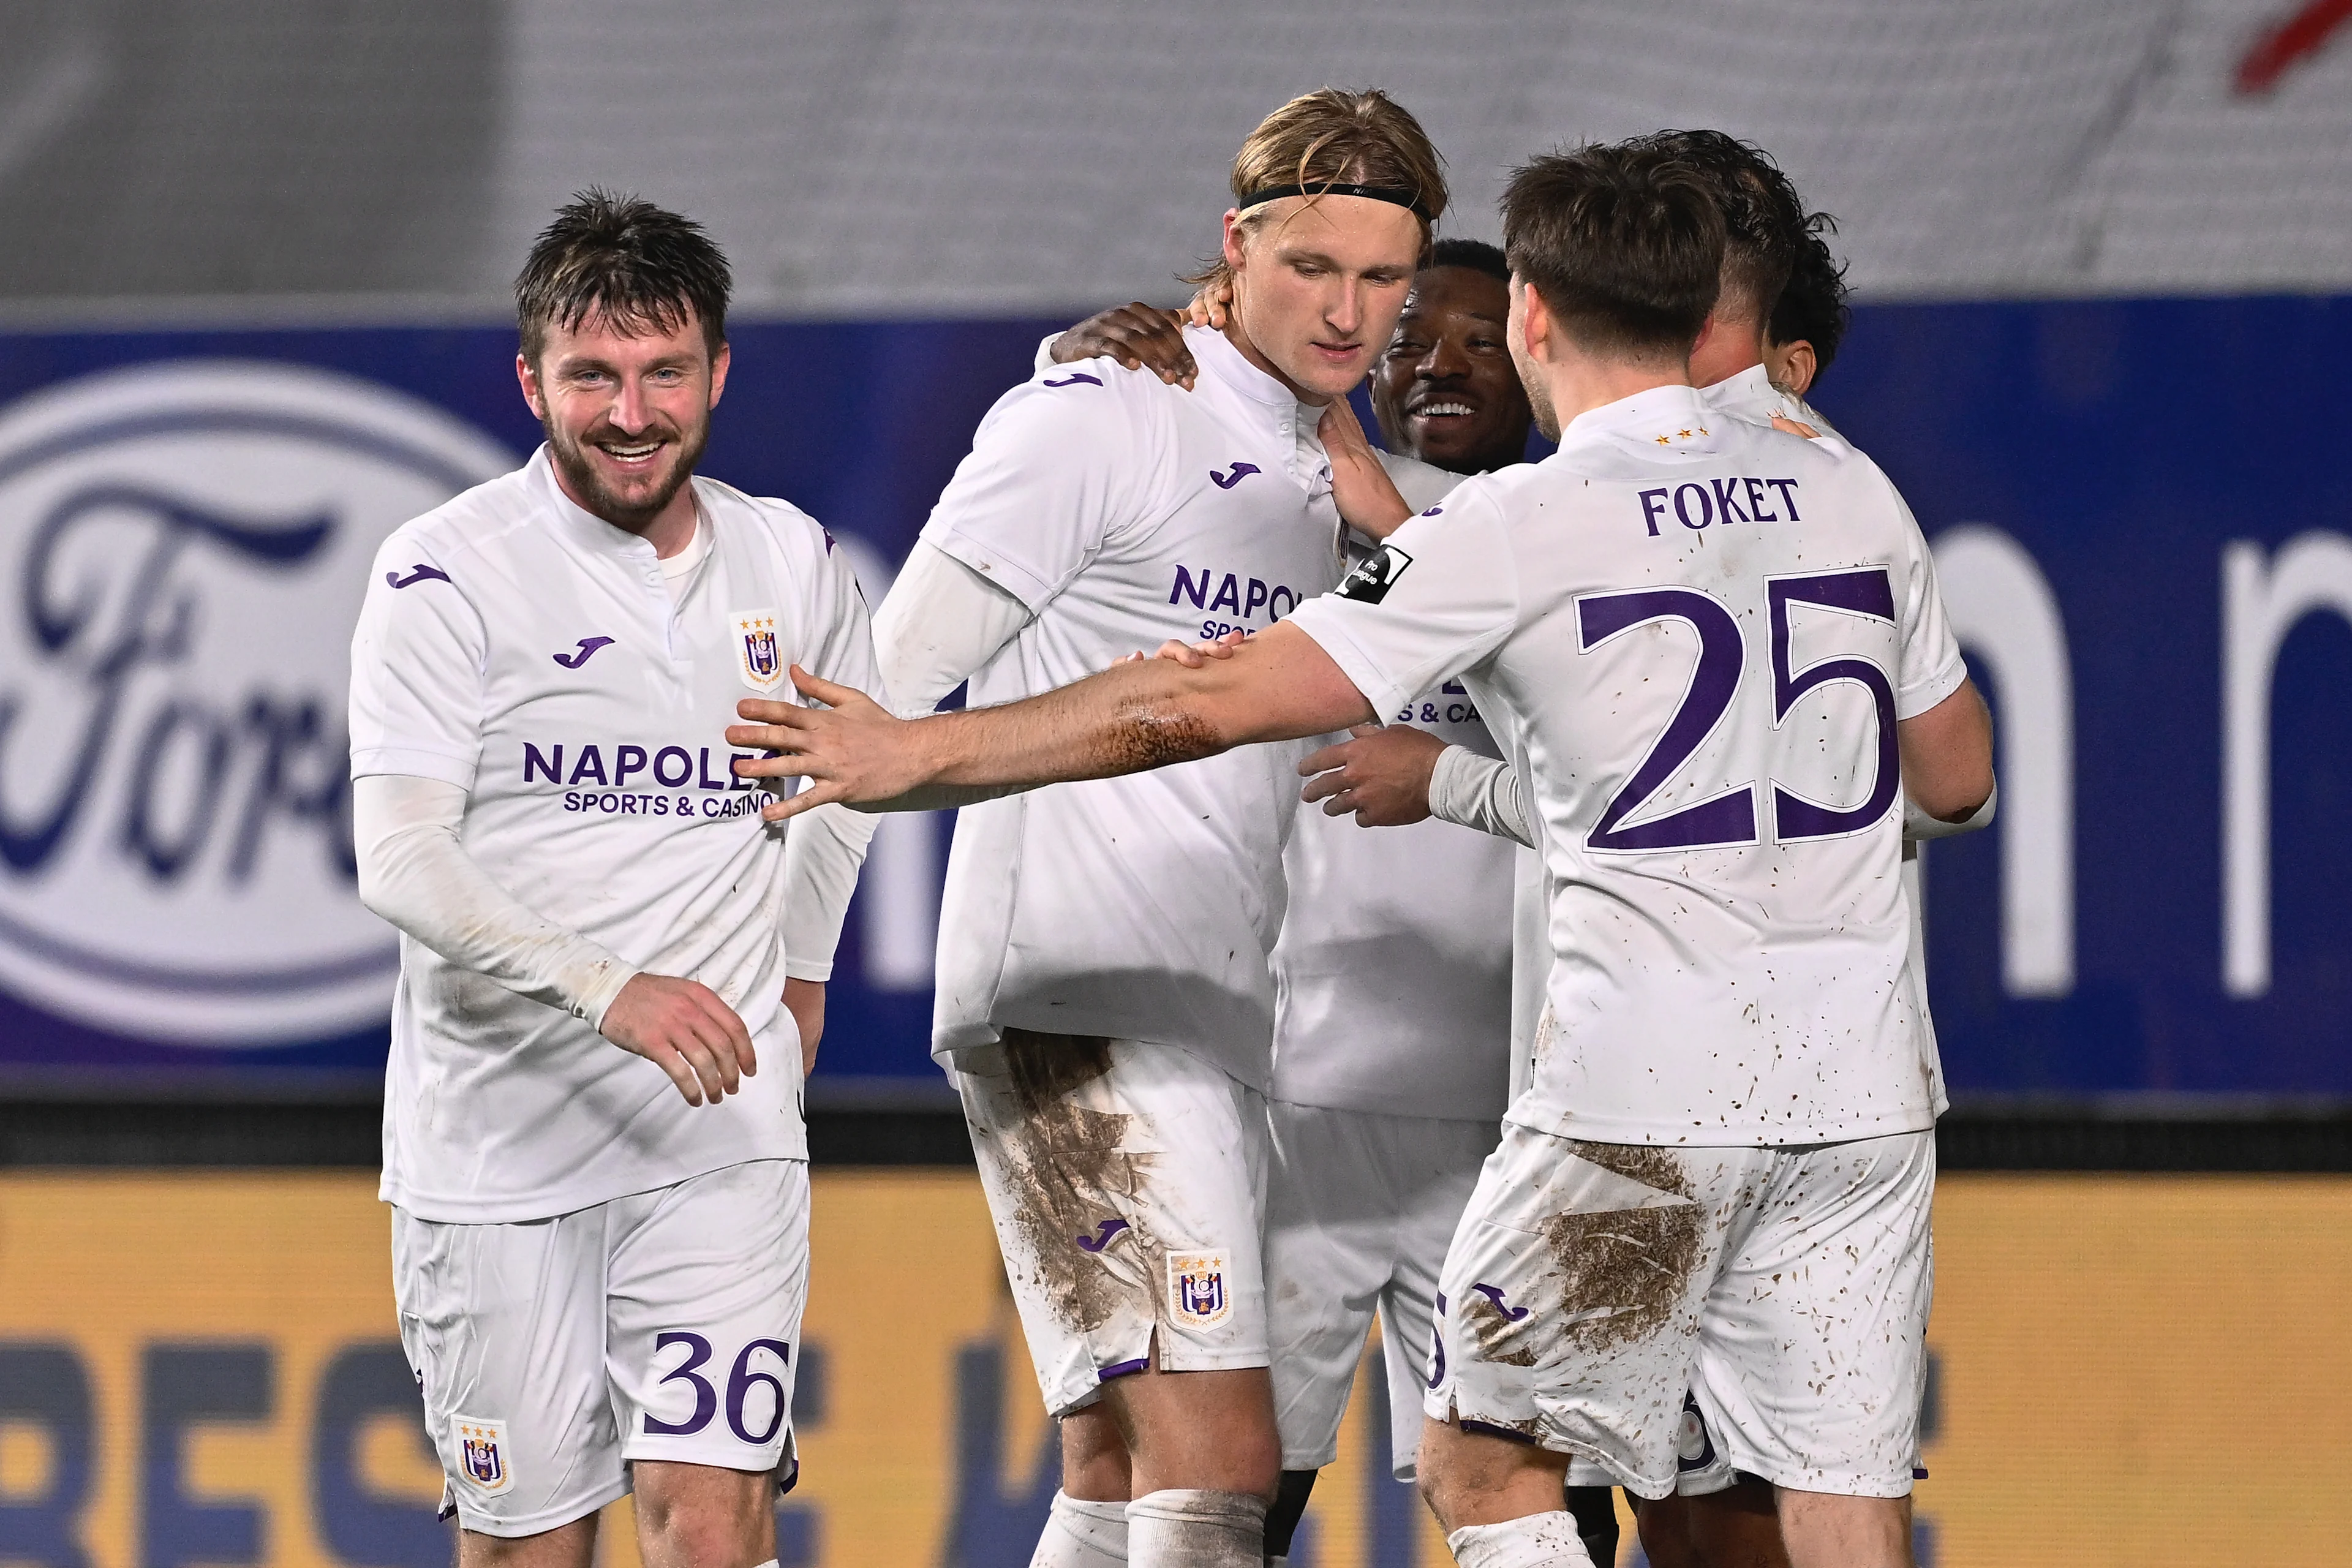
x: 1333, y: 136
x: 1763, y: 220
x: 621, y: 258
x: 1624, y: 243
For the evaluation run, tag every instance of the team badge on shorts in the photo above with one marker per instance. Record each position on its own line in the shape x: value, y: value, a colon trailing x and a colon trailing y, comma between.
x: 482, y: 1452
x: 1196, y: 1288
x: 758, y: 656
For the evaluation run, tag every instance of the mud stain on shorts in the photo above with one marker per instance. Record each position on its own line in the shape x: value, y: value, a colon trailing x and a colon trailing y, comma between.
x: 1073, y: 1185
x: 1623, y: 1272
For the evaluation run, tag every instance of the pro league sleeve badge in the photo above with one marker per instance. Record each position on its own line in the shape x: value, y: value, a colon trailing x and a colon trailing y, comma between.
x: 759, y: 656
x: 1369, y: 583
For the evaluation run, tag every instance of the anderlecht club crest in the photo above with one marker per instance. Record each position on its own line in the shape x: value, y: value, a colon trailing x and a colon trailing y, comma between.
x: 759, y: 654
x: 1196, y: 1288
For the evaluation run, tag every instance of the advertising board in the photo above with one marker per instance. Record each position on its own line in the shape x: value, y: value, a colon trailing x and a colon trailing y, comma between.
x: 205, y: 1370
x: 2145, y: 537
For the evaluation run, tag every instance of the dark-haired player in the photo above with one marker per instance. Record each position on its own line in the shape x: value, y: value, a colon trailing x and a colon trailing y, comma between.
x: 1718, y: 1180
x: 594, y: 1146
x: 1809, y: 320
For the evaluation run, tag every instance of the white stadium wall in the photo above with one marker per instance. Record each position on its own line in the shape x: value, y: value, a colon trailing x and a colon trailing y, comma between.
x: 916, y: 157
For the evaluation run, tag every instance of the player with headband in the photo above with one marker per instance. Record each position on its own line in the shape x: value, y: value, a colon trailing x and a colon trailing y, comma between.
x: 1104, y: 995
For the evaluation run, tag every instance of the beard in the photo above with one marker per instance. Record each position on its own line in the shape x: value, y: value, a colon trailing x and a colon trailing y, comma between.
x: 642, y: 502
x: 1538, y: 394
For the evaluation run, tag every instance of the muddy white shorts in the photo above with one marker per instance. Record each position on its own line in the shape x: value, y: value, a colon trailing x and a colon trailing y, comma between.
x: 1127, y: 1180
x: 552, y: 1352
x: 1592, y: 1286
x: 1359, y: 1208
x: 1700, y: 1468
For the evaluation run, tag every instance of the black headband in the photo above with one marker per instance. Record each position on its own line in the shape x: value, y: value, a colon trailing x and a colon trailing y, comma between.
x: 1410, y: 200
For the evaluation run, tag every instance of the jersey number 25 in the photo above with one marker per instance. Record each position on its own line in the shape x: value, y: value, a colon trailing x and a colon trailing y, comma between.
x: 1729, y: 819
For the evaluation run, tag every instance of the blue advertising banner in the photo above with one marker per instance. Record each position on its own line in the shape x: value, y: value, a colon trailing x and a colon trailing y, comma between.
x: 2141, y: 517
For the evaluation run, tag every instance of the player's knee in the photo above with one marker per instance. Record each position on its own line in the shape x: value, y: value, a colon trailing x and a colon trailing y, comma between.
x: 706, y: 1525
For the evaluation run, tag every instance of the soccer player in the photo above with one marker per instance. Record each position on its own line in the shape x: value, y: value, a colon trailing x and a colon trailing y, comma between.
x: 593, y: 1145
x: 1777, y: 321
x: 1104, y: 994
x: 1722, y: 651
x: 1393, y: 972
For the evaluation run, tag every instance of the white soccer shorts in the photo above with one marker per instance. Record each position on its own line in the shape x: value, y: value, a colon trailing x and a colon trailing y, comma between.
x: 1359, y: 1208
x: 551, y: 1353
x: 1127, y: 1180
x: 1592, y: 1285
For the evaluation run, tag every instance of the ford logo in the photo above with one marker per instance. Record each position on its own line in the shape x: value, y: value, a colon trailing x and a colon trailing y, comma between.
x: 183, y: 549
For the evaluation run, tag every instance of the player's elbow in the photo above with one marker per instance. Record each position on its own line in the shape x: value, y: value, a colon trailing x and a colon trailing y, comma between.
x: 1948, y: 756
x: 1953, y: 794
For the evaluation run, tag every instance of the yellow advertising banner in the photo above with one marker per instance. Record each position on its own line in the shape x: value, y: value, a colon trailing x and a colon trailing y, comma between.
x: 202, y: 1369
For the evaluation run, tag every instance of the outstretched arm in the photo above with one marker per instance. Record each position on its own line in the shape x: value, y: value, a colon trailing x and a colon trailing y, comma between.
x: 1279, y: 685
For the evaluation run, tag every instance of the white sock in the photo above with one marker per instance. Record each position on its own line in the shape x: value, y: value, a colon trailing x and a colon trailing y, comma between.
x: 1538, y: 1540
x: 1187, y: 1528
x: 1081, y: 1534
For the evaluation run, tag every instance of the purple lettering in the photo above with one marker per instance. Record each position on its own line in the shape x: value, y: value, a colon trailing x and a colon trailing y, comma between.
x: 1784, y: 486
x: 1654, y: 506
x: 1188, y: 588
x: 1256, y: 597
x: 1275, y: 610
x: 591, y: 765
x: 702, y: 778
x: 685, y: 766
x: 1229, y: 594
x: 628, y: 805
x: 1726, y: 501
x: 1756, y: 502
x: 534, y: 764
x: 623, y: 767
x: 740, y: 781
x: 1705, y: 505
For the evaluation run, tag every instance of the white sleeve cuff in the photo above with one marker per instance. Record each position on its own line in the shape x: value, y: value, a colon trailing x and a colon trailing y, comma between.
x: 1479, y: 791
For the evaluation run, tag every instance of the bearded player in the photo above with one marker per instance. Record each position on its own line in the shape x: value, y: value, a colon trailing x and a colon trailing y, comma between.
x: 1719, y: 1178
x: 1104, y: 994
x: 593, y: 1145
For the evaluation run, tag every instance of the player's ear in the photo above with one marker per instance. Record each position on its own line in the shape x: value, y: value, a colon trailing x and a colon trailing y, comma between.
x: 719, y: 364
x: 526, y: 373
x: 1796, y: 368
x: 1531, y: 320
x: 1232, y: 239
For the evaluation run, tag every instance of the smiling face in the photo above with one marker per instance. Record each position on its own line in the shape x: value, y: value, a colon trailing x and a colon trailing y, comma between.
x: 1317, y: 283
x: 1444, y: 390
x: 627, y: 413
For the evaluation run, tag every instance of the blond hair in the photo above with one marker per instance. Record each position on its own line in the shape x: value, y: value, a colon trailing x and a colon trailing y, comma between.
x: 1333, y: 136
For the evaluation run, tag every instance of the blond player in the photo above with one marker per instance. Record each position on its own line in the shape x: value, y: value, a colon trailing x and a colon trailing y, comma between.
x: 1104, y: 995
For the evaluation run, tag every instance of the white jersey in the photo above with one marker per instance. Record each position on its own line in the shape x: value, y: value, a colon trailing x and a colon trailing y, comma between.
x: 1698, y: 635
x: 1752, y: 396
x: 517, y: 646
x: 1122, y: 513
x: 1393, y: 975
